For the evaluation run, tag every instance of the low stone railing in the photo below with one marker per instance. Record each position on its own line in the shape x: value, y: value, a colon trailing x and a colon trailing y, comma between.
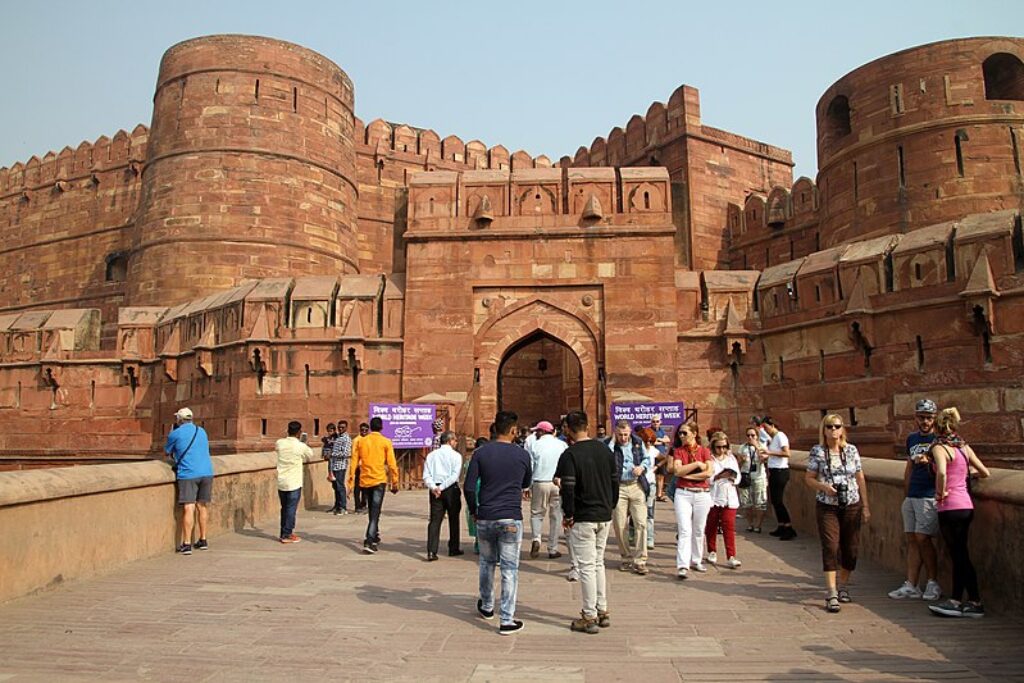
x: 69, y: 523
x: 997, y: 539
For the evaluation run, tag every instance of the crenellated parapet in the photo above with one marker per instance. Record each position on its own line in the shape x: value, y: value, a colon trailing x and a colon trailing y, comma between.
x: 536, y: 199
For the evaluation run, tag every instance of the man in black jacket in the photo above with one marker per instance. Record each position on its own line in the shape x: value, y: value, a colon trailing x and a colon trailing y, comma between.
x: 632, y: 463
x: 589, y: 485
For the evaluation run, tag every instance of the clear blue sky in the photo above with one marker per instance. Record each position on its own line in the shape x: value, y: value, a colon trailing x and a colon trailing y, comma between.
x: 546, y: 77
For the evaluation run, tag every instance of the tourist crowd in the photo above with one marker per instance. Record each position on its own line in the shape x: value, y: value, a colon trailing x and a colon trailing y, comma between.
x: 587, y: 486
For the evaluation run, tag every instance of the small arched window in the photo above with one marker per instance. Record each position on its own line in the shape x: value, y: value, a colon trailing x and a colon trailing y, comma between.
x: 117, y: 267
x: 1004, y: 77
x: 837, y: 117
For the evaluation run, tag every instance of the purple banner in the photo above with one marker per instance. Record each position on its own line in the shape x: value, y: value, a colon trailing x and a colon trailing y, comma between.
x: 640, y: 414
x: 408, y: 425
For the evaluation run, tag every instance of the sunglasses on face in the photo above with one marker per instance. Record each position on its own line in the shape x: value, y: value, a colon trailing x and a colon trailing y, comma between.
x: 722, y: 447
x: 833, y: 426
x: 684, y: 433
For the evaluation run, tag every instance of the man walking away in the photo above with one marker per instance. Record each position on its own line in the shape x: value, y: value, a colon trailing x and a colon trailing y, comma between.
x: 503, y: 472
x: 291, y: 453
x: 190, y: 447
x: 589, y: 482
x: 374, y: 458
x: 441, y: 472
x: 546, y: 450
x: 632, y: 463
x: 340, y: 455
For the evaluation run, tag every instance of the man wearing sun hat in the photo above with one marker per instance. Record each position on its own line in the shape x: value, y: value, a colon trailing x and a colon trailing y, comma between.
x: 544, y: 497
x: 189, y: 446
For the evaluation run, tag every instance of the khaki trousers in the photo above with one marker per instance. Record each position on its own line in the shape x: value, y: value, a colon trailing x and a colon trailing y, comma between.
x: 545, y: 499
x: 632, y: 503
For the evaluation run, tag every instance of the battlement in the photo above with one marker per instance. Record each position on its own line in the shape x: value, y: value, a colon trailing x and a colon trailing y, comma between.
x: 56, y: 172
x: 638, y: 143
x: 384, y: 138
x: 532, y: 199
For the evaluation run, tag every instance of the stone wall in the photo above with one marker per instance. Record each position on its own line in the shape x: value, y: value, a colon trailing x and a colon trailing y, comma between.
x: 997, y: 547
x: 57, y: 525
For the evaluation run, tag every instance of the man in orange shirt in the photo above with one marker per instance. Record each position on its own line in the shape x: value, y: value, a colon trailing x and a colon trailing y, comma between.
x: 374, y: 457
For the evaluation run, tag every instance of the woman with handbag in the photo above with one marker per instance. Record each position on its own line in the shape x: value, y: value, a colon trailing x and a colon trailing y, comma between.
x: 834, y: 471
x: 725, y: 501
x: 954, y: 461
x: 753, y: 483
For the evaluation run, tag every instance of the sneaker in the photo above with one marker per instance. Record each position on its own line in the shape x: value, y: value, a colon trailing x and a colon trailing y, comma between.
x: 554, y: 555
x: 535, y: 550
x: 572, y: 576
x: 682, y: 574
x: 972, y: 610
x: 757, y: 529
x: 184, y: 549
x: 369, y: 548
x: 776, y: 533
x: 712, y: 557
x: 201, y: 544
x: 699, y: 567
x: 949, y: 608
x: 932, y: 591
x: 641, y: 569
x: 291, y: 539
x: 485, y: 613
x: 456, y: 553
x: 908, y: 591
x: 508, y: 629
x: 626, y: 566
x: 787, y: 534
x: 604, y: 620
x: 734, y: 563
x: 583, y: 625
x: 374, y: 547
x: 343, y: 512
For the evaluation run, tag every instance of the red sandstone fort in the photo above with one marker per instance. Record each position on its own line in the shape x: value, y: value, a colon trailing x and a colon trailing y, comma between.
x: 260, y: 254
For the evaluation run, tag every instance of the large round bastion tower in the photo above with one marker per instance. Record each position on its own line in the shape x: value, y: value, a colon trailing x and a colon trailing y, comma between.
x: 250, y: 170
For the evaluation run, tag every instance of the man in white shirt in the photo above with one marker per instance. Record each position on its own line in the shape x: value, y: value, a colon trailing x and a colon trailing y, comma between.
x: 778, y: 477
x: 441, y: 472
x: 544, y: 496
x: 291, y: 453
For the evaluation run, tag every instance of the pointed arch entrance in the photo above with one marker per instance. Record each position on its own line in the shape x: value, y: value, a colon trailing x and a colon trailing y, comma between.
x: 540, y: 378
x: 506, y: 334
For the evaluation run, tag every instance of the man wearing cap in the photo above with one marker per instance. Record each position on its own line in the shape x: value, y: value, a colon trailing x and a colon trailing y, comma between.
x: 920, y: 518
x: 441, y: 472
x: 544, y: 498
x: 189, y: 446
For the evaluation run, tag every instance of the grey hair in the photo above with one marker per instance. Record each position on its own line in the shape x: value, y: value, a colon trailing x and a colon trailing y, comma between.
x: 447, y: 436
x: 622, y: 422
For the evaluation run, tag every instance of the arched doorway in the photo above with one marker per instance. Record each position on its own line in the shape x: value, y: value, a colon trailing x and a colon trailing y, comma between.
x: 540, y: 378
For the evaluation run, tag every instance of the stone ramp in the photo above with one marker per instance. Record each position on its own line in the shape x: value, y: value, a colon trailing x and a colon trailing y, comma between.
x: 252, y: 609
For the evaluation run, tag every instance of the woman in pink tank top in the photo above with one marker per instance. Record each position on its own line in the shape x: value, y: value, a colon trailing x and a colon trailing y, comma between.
x: 954, y: 461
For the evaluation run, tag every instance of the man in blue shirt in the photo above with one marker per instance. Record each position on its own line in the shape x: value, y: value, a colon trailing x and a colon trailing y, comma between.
x: 920, y: 518
x: 503, y: 471
x: 189, y: 446
x: 632, y: 464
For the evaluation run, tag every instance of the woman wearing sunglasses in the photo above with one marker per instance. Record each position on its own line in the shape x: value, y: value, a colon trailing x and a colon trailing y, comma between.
x: 691, y: 466
x: 725, y: 500
x: 834, y: 471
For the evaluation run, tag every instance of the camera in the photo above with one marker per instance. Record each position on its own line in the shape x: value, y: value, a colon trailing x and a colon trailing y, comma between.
x: 842, y: 494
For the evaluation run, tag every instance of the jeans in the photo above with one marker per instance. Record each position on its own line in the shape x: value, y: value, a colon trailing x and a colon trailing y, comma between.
x: 726, y: 518
x: 777, y: 480
x: 652, y: 496
x: 956, y: 528
x: 545, y: 498
x: 374, y: 497
x: 588, y: 541
x: 339, y: 489
x: 692, y: 509
x: 449, y: 503
x: 289, y: 504
x: 499, y: 544
x: 632, y: 503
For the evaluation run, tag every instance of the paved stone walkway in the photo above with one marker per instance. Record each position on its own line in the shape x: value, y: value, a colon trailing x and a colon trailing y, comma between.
x: 251, y: 609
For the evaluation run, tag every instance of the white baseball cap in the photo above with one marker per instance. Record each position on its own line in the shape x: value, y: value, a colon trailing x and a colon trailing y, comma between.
x: 184, y: 414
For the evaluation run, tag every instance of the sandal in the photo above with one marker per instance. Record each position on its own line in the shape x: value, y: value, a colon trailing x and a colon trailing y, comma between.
x: 662, y: 499
x: 844, y: 595
x: 750, y: 529
x: 832, y: 604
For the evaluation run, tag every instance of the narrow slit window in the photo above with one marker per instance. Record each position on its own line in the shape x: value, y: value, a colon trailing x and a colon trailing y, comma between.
x: 890, y: 273
x: 782, y: 369
x: 896, y: 104
x: 263, y: 426
x: 920, y: 353
x: 305, y: 385
x: 316, y: 426
x: 817, y: 293
x: 900, y: 168
x: 295, y: 99
x: 256, y: 91
x: 853, y: 416
x: 856, y: 183
x: 958, y: 139
x: 821, y: 365
x: 1018, y: 246
x: 951, y: 258
x: 1015, y: 144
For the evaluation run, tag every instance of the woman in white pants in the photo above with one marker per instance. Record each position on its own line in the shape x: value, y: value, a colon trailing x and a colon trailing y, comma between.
x: 691, y: 465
